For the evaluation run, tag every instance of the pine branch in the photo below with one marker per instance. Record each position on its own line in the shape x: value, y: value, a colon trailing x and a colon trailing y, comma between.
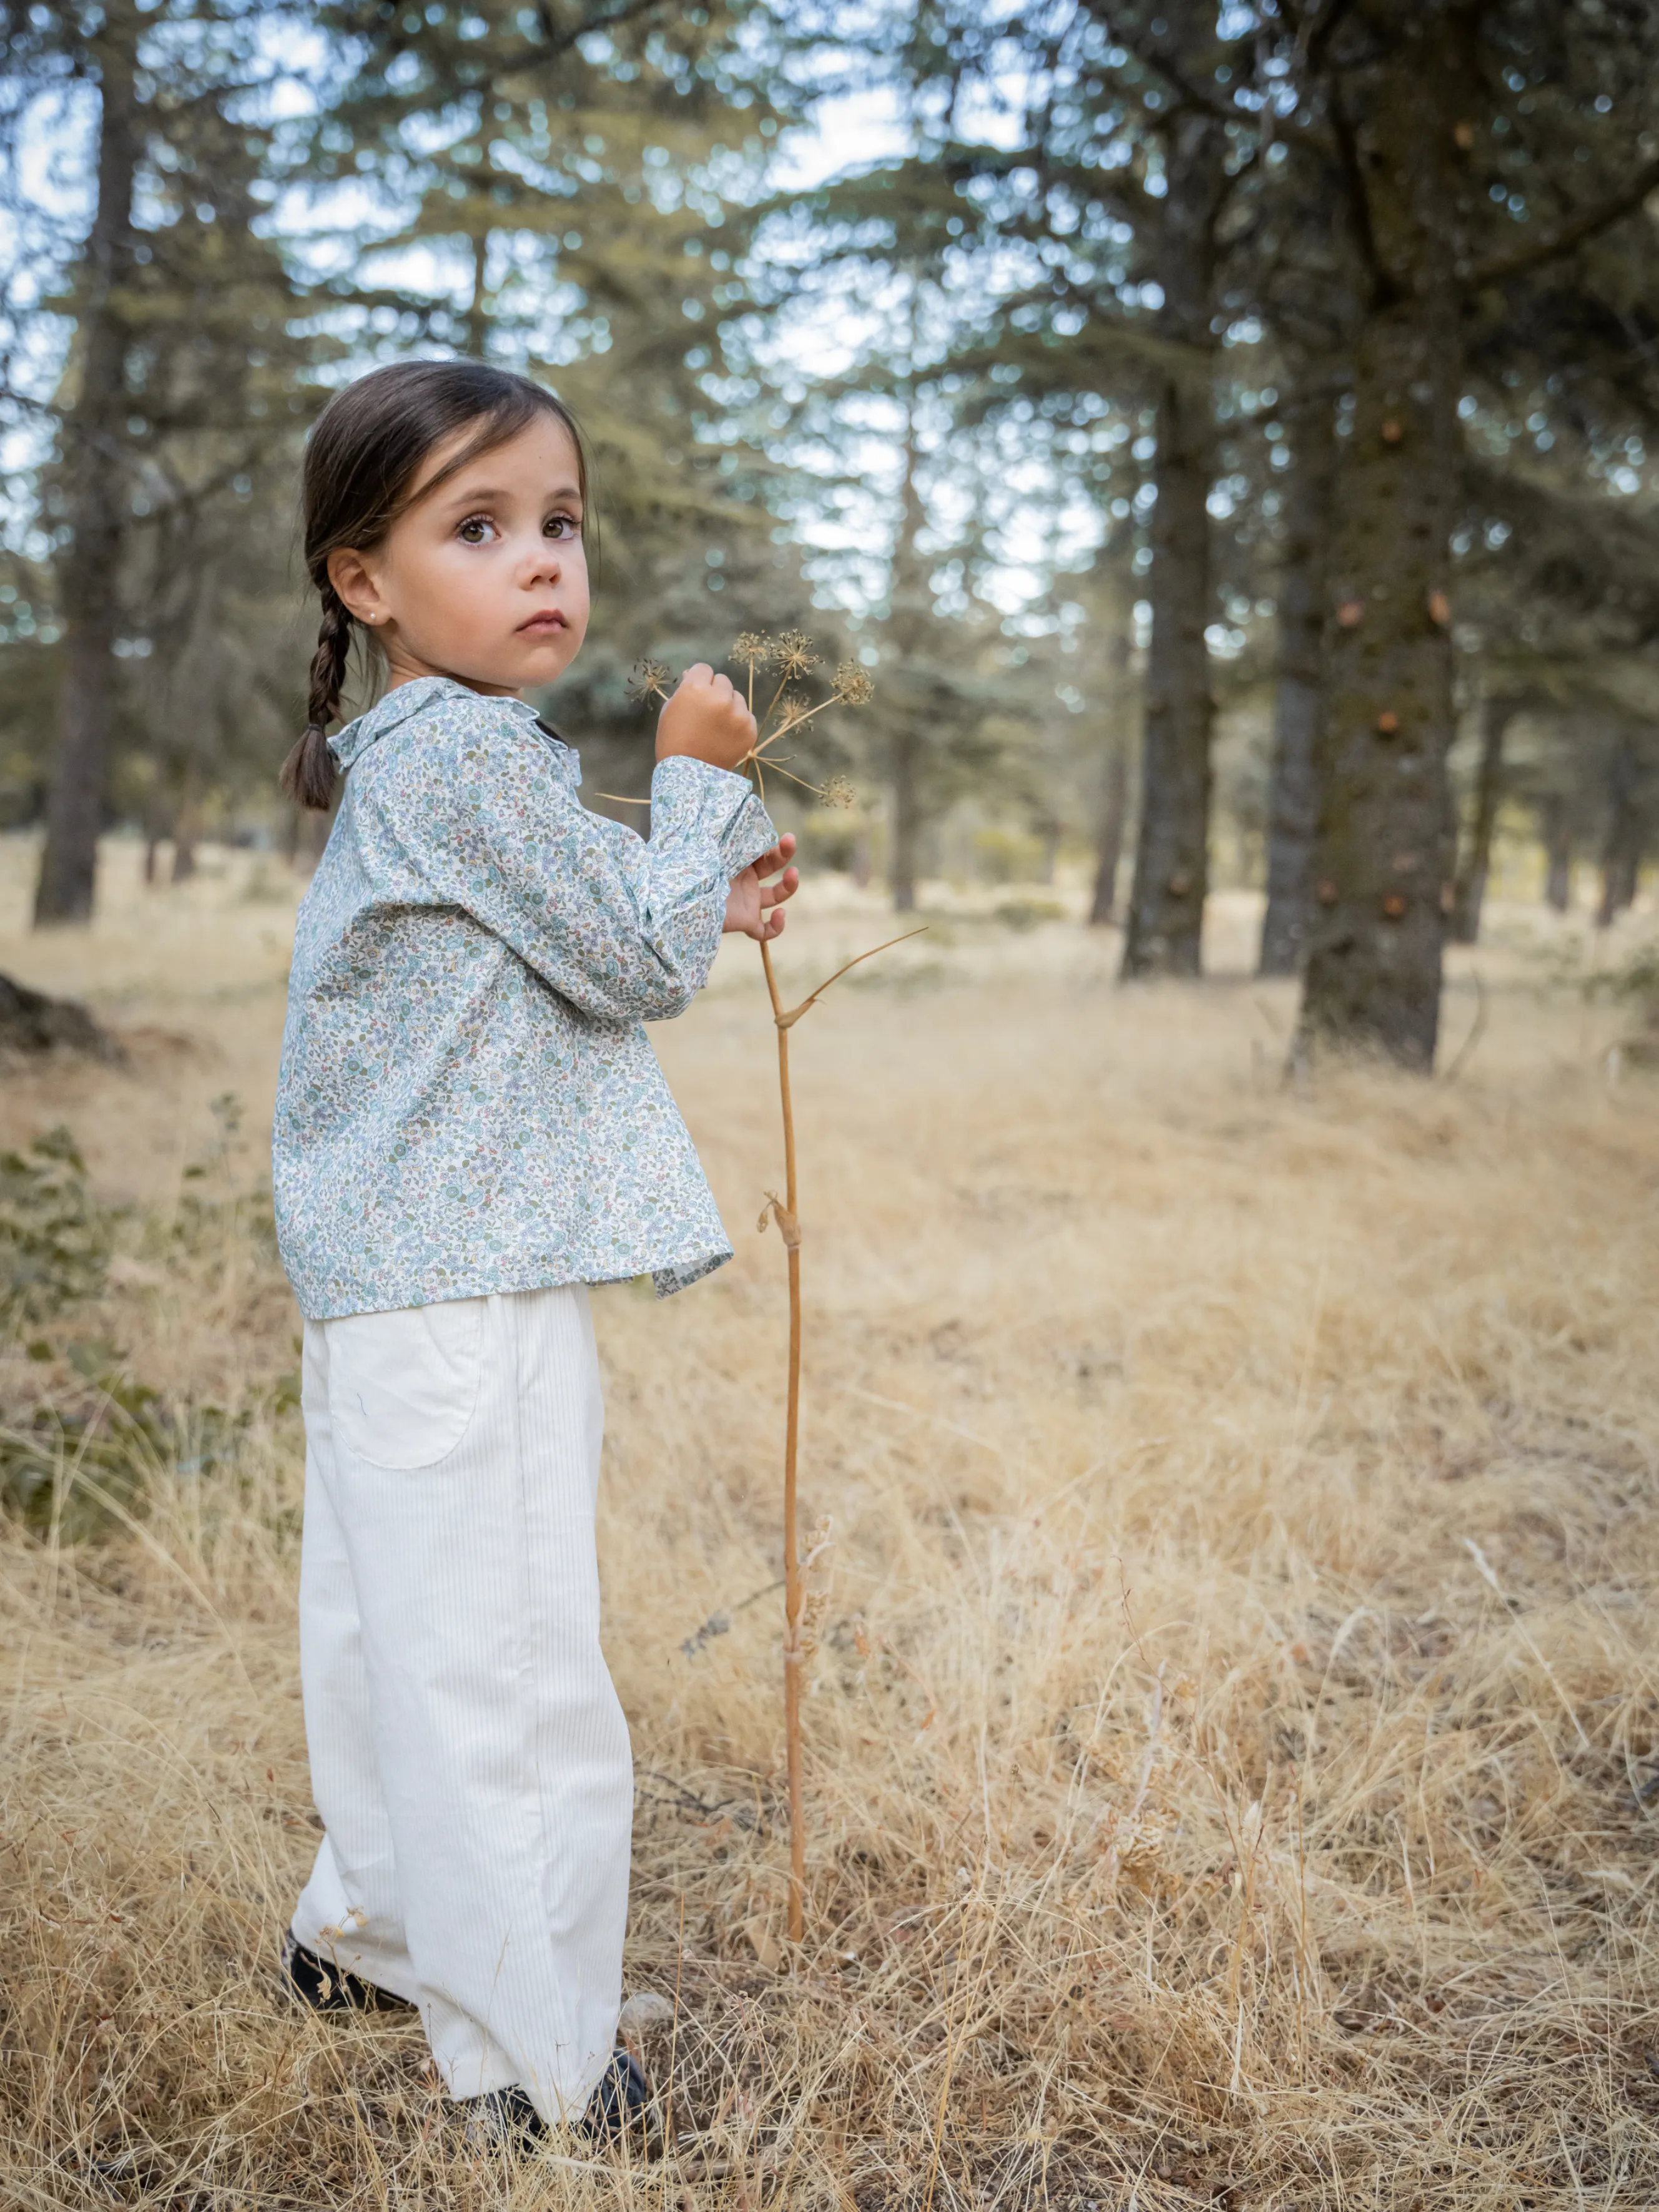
x: 1560, y: 237
x: 1162, y: 64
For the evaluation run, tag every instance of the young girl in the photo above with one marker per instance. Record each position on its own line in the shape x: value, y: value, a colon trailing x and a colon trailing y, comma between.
x: 471, y: 1127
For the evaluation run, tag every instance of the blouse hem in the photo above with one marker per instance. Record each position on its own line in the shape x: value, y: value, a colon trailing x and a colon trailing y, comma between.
x: 667, y: 1276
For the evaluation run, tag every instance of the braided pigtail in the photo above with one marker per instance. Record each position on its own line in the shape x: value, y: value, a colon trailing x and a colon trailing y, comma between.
x: 309, y: 773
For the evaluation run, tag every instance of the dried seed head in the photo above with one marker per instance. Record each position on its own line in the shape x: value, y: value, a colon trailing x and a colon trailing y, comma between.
x: 650, y: 680
x: 853, y: 685
x: 836, y: 791
x: 792, y: 653
x: 753, y: 649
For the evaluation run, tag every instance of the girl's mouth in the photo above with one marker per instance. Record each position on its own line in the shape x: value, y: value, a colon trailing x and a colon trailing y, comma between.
x: 541, y: 625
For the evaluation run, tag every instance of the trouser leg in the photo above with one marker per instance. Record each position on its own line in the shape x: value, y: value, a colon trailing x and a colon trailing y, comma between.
x: 501, y: 1748
x: 348, y: 1911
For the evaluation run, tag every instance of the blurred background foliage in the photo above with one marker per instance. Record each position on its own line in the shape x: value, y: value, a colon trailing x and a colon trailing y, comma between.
x: 1224, y: 431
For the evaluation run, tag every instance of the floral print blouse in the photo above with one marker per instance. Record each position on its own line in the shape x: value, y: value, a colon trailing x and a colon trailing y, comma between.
x: 467, y: 1101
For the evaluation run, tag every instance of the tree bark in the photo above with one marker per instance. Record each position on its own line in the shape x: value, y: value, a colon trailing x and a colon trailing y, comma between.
x: 1173, y: 850
x: 1293, y: 796
x: 1473, y: 864
x: 1383, y: 851
x: 1166, y: 903
x: 95, y: 501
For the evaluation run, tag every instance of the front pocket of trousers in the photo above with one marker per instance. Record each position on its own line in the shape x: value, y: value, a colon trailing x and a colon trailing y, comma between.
x: 403, y: 1387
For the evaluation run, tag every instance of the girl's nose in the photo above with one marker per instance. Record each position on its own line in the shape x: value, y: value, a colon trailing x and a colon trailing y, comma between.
x: 542, y: 565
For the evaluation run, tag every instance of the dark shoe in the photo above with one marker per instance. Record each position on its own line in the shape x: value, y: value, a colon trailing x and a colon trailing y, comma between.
x: 327, y: 1987
x: 619, y: 2107
x: 506, y: 2120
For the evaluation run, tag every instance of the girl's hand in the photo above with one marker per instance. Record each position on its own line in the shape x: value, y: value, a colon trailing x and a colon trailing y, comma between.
x: 707, y: 719
x: 754, y: 909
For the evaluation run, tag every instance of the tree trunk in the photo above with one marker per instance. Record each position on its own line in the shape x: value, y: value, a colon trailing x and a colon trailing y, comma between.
x: 905, y: 823
x: 1114, y: 820
x: 158, y: 824
x: 1166, y: 903
x: 910, y: 609
x: 94, y: 502
x: 1382, y: 857
x: 477, y: 319
x: 1293, y: 798
x: 1474, y: 863
x: 1115, y: 780
x: 1558, y: 849
x: 186, y: 827
x: 1622, y: 847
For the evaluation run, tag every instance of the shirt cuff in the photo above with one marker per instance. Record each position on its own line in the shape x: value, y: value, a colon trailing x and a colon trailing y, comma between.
x: 690, y: 797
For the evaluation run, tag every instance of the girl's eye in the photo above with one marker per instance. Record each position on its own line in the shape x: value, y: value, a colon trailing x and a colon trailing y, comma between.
x: 561, y: 525
x: 473, y: 531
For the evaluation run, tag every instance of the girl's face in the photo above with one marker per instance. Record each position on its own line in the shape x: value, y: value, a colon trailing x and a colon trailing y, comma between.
x: 486, y: 580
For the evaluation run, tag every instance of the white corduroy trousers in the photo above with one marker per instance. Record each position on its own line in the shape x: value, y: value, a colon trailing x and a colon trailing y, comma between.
x: 469, y: 1756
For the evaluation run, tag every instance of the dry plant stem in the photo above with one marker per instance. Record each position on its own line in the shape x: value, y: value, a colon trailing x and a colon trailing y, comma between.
x: 788, y: 1220
x: 789, y: 1226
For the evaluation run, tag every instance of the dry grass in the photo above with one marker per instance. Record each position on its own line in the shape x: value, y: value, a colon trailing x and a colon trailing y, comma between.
x: 1232, y: 1729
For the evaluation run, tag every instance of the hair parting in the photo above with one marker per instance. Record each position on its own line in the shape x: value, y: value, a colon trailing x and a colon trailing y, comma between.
x: 361, y: 464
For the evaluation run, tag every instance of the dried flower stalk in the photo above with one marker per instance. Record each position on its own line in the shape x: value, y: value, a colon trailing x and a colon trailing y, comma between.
x: 790, y: 657
x: 784, y: 1212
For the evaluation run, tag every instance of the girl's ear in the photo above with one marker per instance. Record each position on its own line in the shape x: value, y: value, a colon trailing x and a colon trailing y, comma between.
x: 355, y: 582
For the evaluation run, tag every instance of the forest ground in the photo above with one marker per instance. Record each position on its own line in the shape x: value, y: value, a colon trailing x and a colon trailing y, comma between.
x: 1233, y: 1732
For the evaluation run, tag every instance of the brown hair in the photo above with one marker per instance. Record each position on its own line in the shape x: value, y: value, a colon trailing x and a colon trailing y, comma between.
x: 361, y: 461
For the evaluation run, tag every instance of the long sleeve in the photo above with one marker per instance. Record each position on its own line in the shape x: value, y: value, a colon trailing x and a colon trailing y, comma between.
x: 624, y: 928
x: 468, y: 1103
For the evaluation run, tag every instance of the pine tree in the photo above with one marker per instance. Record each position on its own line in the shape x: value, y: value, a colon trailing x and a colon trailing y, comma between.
x: 176, y: 417
x: 586, y: 176
x: 1293, y: 800
x: 1460, y: 132
x: 93, y: 493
